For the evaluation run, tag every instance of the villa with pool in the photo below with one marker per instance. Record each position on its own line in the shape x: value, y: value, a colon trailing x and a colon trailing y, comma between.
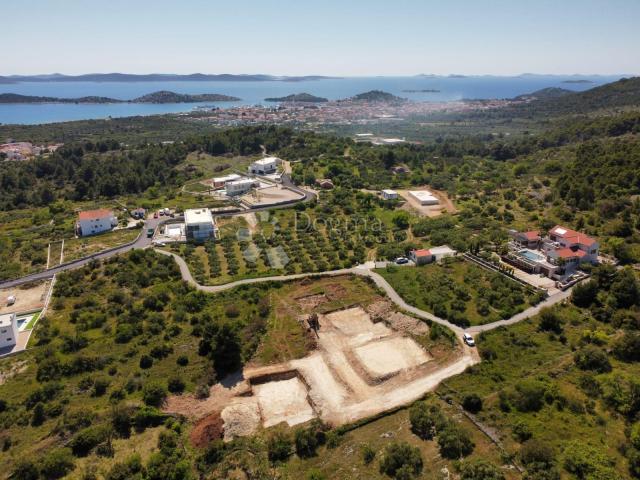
x: 557, y: 255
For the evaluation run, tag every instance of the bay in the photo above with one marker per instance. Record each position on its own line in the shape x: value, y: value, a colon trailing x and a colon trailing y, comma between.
x: 253, y: 93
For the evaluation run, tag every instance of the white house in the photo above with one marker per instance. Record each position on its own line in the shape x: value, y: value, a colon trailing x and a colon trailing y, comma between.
x: 8, y: 330
x: 264, y: 166
x: 389, y: 194
x: 91, y: 222
x: 219, y: 182
x: 199, y: 223
x: 238, y: 187
x: 424, y: 197
x: 433, y: 254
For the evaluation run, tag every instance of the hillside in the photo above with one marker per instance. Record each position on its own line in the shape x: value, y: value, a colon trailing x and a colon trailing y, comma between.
x: 164, y: 96
x: 298, y: 97
x: 376, y: 96
x: 545, y: 93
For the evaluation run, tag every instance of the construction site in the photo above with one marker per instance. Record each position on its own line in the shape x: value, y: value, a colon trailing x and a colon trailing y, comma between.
x: 367, y: 359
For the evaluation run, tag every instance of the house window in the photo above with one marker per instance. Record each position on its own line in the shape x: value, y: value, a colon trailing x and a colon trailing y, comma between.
x: 9, y: 339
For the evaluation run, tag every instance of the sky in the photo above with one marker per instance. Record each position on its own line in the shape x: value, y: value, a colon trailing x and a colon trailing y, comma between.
x: 324, y: 37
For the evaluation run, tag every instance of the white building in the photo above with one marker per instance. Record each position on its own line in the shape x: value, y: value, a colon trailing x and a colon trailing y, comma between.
x: 219, y: 182
x: 424, y: 197
x: 433, y: 254
x: 389, y: 194
x: 8, y: 330
x: 199, y: 223
x: 238, y: 187
x: 91, y: 222
x: 264, y: 166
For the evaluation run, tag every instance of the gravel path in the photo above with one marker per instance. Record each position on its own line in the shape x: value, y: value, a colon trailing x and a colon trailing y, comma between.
x: 382, y: 284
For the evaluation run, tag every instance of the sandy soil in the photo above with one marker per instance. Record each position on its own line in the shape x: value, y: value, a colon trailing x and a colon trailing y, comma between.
x: 360, y: 368
x: 283, y: 401
x: 389, y: 356
x: 412, y: 204
x: 270, y: 195
x: 27, y: 299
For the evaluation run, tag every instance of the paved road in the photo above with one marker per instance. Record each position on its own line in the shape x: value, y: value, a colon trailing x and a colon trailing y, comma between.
x: 142, y: 241
x: 381, y: 283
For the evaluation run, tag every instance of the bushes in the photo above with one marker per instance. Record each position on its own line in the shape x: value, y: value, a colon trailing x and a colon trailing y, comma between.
x: 528, y: 395
x: 154, y: 393
x: 308, y: 439
x: 87, y: 439
x: 176, y: 385
x: 425, y: 419
x: 472, y: 403
x: 627, y: 347
x: 480, y: 470
x: 550, y: 321
x: 401, y: 460
x: 279, y: 446
x: 368, y: 454
x: 592, y: 358
x: 57, y: 463
x: 454, y: 442
x: 587, y: 462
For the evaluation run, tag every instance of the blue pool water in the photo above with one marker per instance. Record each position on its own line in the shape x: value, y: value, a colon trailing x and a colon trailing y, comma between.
x: 534, y: 257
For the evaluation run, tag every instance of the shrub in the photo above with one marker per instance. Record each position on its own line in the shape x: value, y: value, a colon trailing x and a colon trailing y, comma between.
x: 400, y: 457
x: 130, y: 469
x: 550, y: 321
x: 154, y: 393
x: 537, y: 455
x: 279, y: 446
x: 585, y: 461
x: 38, y: 416
x: 100, y: 386
x: 521, y: 431
x: 57, y: 463
x: 627, y: 347
x: 182, y: 360
x: 592, y: 358
x: 306, y: 442
x: 25, y: 470
x: 454, y: 442
x: 472, y: 403
x: 368, y: 454
x: 529, y: 395
x: 425, y: 419
x: 87, y: 439
x: 480, y: 470
x: 146, y: 361
x: 176, y: 385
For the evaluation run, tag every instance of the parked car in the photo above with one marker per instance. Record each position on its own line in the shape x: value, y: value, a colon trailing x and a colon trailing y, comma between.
x: 402, y: 260
x: 158, y: 243
x: 468, y: 339
x: 161, y: 212
x: 155, y: 215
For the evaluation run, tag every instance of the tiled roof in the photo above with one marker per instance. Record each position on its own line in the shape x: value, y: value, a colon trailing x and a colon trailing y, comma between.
x: 572, y: 235
x: 422, y: 253
x: 91, y: 214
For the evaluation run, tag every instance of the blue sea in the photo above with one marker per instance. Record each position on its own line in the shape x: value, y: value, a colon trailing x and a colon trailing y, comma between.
x: 253, y: 93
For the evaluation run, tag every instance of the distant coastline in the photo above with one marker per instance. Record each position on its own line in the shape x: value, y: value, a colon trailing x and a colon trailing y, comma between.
x: 159, y: 97
x: 424, y: 90
x: 577, y: 81
x: 156, y: 77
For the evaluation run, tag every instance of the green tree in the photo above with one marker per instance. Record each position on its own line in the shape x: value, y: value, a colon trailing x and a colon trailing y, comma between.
x: 454, y: 442
x: 279, y: 446
x: 472, y: 403
x: 480, y: 470
x: 154, y: 393
x: 57, y: 463
x: 400, y: 456
x: 425, y: 419
x: 592, y: 358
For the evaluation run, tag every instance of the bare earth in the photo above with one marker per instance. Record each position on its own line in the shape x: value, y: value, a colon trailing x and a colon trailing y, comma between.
x: 359, y: 369
x: 445, y: 205
x: 27, y: 299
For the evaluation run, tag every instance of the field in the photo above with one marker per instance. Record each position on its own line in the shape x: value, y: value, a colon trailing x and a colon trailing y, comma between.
x: 75, y: 248
x: 459, y: 291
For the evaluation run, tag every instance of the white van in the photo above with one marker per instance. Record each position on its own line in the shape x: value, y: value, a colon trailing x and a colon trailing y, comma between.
x: 468, y: 339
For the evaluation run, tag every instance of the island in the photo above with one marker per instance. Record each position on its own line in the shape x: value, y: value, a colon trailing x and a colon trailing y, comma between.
x: 577, y: 81
x: 376, y: 96
x: 164, y: 96
x: 424, y: 90
x: 297, y: 97
x: 155, y: 97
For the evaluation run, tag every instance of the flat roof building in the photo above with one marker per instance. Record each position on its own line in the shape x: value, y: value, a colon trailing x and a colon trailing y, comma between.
x: 264, y: 166
x: 238, y: 187
x: 424, y: 197
x: 388, y: 194
x: 222, y: 181
x: 8, y: 331
x: 199, y: 223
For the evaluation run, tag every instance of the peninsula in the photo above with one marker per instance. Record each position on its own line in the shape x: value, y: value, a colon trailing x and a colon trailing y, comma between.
x: 155, y: 97
x: 298, y: 97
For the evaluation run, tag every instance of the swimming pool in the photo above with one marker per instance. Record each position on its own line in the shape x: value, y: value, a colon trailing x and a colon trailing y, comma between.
x: 532, y: 256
